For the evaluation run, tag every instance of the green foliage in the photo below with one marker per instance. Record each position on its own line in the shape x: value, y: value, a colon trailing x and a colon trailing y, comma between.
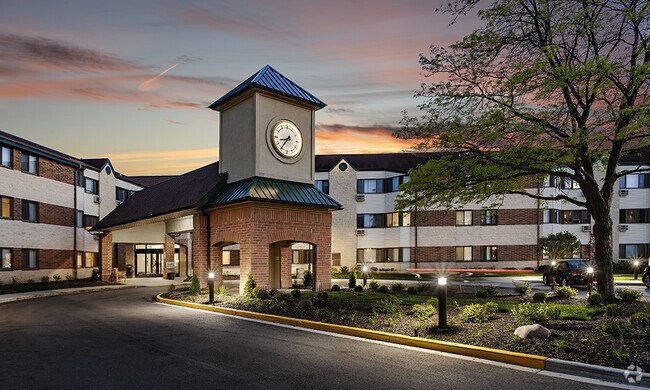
x: 307, y: 278
x: 397, y: 286
x: 482, y: 294
x: 195, y: 286
x: 560, y: 343
x: 423, y: 311
x: 281, y: 296
x: 336, y: 287
x: 322, y: 295
x: 433, y: 302
x: 260, y: 293
x: 69, y: 277
x: 335, y: 270
x: 391, y: 322
x: 353, y: 280
x: 529, y: 313
x: 619, y: 354
x: 222, y: 290
x: 249, y: 285
x: 613, y: 310
x: 522, y: 289
x: 491, y: 307
x: 611, y: 326
x: 562, y: 245
x: 595, y: 299
x: 383, y: 289
x: 345, y: 270
x: 358, y: 288
x: 640, y: 320
x: 56, y: 277
x: 553, y: 313
x: 412, y: 290
x: 474, y: 313
x: 628, y: 295
x: 346, y: 301
x: 565, y: 291
x: 45, y: 279
x: 539, y: 297
x: 352, y: 316
x: 387, y: 305
x: 171, y: 288
x: 373, y: 285
x: 296, y: 293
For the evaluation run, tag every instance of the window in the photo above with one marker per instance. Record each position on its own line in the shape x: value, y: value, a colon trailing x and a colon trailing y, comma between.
x: 80, y: 178
x: 91, y: 186
x: 121, y: 194
x: 392, y: 219
x: 575, y: 217
x: 301, y: 256
x: 552, y: 216
x: 392, y: 184
x: 90, y: 221
x: 80, y: 219
x: 5, y: 156
x: 225, y: 257
x: 489, y: 217
x: 559, y: 182
x: 30, y: 259
x: 5, y: 258
x: 5, y: 212
x: 30, y: 211
x: 90, y: 259
x: 370, y: 186
x: 634, y: 181
x: 370, y: 255
x: 633, y: 251
x: 464, y: 218
x: 370, y: 221
x: 634, y: 216
x: 336, y: 259
x: 29, y: 164
x: 323, y: 185
x: 80, y: 257
x: 489, y: 253
x: 463, y: 253
x: 393, y: 254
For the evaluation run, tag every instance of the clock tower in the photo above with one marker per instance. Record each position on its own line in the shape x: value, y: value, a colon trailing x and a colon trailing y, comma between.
x: 267, y: 129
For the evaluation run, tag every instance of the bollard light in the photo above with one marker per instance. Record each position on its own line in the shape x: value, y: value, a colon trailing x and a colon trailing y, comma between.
x: 636, y: 269
x: 365, y: 276
x: 442, y: 304
x: 553, y: 263
x: 590, y: 279
x: 211, y: 286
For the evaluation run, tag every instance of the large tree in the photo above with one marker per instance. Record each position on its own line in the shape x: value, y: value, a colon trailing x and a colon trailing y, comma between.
x: 543, y: 87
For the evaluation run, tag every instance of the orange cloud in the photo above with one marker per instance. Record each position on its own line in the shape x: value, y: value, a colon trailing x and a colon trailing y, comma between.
x: 341, y: 139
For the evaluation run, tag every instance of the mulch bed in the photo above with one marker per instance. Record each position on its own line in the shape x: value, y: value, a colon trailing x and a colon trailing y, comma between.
x: 583, y: 343
x: 23, y: 287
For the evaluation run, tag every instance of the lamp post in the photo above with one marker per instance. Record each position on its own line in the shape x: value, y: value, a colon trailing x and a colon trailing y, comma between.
x: 365, y: 275
x: 211, y: 286
x: 636, y: 269
x: 553, y: 263
x: 442, y: 304
x: 590, y: 279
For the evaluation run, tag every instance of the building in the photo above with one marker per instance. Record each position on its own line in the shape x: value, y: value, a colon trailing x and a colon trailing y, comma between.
x: 49, y: 202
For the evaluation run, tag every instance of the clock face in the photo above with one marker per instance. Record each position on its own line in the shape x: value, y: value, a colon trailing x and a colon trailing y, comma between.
x: 286, y: 139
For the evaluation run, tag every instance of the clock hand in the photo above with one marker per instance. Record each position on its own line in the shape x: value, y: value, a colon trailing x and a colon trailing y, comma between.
x: 285, y: 141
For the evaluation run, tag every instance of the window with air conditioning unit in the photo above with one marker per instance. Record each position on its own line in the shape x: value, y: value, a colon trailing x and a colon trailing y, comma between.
x: 623, y: 192
x: 97, y: 199
x: 586, y: 228
x: 623, y: 228
x: 361, y: 198
x: 361, y: 232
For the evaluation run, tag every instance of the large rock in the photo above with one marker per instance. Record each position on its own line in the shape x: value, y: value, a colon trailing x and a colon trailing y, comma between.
x: 304, y: 304
x: 535, y: 331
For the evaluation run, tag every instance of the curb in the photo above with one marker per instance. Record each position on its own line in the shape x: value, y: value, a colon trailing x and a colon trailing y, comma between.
x: 55, y: 293
x: 631, y: 377
x: 521, y: 359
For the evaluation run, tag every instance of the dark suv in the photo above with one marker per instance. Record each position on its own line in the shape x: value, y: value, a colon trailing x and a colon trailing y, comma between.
x: 646, y: 277
x: 568, y: 273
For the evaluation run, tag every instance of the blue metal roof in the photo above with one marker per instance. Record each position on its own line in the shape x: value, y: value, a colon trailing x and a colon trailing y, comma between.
x: 270, y: 79
x: 272, y: 190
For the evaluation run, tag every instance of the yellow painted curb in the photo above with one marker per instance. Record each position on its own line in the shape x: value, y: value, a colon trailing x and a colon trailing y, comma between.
x: 520, y: 359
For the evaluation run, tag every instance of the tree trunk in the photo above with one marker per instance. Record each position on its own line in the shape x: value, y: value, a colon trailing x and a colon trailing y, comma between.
x: 604, y: 255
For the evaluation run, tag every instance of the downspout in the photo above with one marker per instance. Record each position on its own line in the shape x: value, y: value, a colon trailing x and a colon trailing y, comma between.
x: 74, y: 224
x: 538, y: 222
x: 415, y: 254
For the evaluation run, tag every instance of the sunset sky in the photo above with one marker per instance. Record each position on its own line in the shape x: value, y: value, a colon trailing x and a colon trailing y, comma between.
x: 80, y: 76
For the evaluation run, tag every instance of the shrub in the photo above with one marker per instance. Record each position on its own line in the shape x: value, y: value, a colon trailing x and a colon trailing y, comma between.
x: 423, y: 311
x: 553, y: 313
x: 616, y: 327
x: 261, y: 293
x: 273, y: 292
x: 481, y: 294
x: 353, y: 280
x: 374, y: 269
x: 335, y: 270
x: 474, y: 313
x: 539, y: 297
x: 45, y: 279
x: 373, y: 285
x: 250, y: 285
x: 69, y: 277
x: 358, y: 288
x: 433, y: 302
x: 345, y: 270
x: 281, y: 296
x: 528, y: 314
x: 336, y: 287
x: 295, y: 293
x: 595, y: 299
x: 307, y: 278
x: 383, y: 289
x: 627, y: 295
x: 386, y: 305
x: 347, y: 301
x: 195, y: 285
x: 491, y: 290
x: 412, y: 290
x: 322, y: 295
x: 56, y: 277
x: 397, y: 287
x: 613, y: 310
x: 491, y: 307
x: 222, y: 290
x: 522, y: 289
x: 171, y: 288
x: 565, y: 291
x: 640, y: 320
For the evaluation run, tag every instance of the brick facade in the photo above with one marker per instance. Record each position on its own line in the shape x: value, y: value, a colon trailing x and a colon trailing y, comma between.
x: 56, y: 215
x: 56, y: 171
x: 505, y: 217
x: 168, y: 256
x: 106, y: 256
x: 429, y: 254
x: 200, y: 248
x: 54, y: 259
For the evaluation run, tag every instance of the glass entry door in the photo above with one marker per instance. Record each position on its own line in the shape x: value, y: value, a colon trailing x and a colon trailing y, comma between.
x: 149, y: 262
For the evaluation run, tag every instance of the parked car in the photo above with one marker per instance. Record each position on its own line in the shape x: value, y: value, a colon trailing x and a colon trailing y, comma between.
x: 646, y: 277
x: 568, y: 273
